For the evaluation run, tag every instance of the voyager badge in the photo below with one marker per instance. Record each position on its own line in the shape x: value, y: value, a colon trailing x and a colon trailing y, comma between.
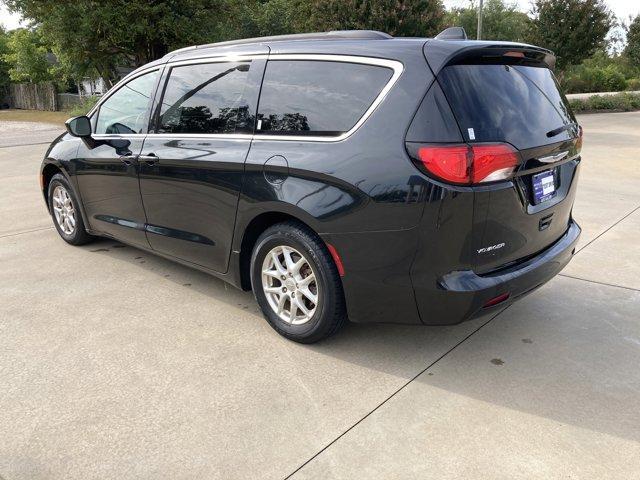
x: 492, y: 247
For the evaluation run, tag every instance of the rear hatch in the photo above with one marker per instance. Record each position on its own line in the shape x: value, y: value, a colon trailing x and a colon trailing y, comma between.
x: 510, y: 100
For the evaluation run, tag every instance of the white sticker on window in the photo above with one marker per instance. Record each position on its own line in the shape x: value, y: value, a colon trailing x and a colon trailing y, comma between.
x: 472, y: 134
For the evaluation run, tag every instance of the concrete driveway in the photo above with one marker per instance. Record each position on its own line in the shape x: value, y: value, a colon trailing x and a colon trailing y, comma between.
x: 118, y: 364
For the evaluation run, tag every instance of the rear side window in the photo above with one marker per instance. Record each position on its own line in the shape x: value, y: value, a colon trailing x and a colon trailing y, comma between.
x: 306, y: 97
x: 206, y: 98
x: 503, y: 103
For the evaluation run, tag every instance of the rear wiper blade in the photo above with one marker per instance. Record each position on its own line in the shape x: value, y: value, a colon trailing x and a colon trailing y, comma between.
x: 559, y: 130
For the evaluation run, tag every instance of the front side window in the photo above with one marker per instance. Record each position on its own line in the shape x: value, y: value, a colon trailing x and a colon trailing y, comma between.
x: 307, y: 97
x: 206, y: 98
x: 125, y: 112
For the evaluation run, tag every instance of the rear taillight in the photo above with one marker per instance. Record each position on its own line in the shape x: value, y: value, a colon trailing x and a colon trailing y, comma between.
x: 468, y: 164
x: 493, y: 162
x: 450, y: 163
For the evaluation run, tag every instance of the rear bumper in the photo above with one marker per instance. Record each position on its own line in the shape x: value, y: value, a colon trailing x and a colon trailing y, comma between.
x: 463, y: 294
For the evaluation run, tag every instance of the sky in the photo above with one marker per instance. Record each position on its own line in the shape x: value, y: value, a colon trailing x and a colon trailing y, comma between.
x: 621, y: 8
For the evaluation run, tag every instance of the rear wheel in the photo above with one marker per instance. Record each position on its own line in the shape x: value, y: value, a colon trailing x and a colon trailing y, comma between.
x: 296, y: 283
x: 63, y: 206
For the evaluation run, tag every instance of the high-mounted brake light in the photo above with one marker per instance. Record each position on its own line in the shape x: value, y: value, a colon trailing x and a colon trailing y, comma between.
x: 467, y: 164
x: 514, y: 54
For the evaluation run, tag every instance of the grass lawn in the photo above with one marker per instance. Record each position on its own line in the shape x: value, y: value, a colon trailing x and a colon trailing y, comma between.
x: 33, y: 116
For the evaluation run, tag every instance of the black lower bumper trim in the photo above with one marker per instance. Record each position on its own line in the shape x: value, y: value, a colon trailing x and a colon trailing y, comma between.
x: 463, y: 294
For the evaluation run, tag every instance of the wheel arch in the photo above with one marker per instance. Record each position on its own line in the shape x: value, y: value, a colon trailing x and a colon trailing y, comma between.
x: 49, y: 169
x: 253, y: 228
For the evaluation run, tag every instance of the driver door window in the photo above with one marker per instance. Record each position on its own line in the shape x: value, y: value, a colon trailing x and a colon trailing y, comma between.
x: 125, y: 112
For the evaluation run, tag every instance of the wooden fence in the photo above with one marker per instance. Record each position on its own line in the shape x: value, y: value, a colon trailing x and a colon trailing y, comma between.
x: 33, y: 96
x: 68, y: 100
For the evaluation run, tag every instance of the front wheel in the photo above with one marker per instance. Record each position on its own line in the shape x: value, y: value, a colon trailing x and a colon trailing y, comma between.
x: 63, y: 206
x: 296, y: 283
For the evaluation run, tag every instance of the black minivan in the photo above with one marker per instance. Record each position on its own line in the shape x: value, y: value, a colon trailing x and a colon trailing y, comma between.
x: 337, y: 175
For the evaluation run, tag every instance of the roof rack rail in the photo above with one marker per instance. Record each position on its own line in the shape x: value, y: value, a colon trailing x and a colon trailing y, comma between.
x: 332, y: 35
x: 452, y: 33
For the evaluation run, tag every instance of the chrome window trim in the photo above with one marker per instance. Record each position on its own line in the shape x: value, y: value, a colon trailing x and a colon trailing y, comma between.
x: 118, y: 135
x: 221, y: 59
x: 396, y: 66
x: 178, y: 136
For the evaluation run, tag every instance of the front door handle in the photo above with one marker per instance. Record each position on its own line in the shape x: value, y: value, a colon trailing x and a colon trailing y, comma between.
x: 128, y: 160
x: 150, y: 159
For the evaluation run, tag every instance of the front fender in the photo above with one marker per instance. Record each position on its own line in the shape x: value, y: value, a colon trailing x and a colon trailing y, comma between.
x: 60, y: 155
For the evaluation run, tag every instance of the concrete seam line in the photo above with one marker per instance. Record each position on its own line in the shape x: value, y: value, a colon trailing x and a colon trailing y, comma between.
x: 22, y: 233
x: 599, y: 283
x: 392, y: 395
x: 623, y: 218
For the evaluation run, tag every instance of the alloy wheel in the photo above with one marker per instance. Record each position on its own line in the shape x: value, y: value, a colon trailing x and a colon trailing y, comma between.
x: 63, y: 210
x: 290, y: 285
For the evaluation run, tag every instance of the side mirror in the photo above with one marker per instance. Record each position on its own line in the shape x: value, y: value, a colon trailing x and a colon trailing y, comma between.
x: 79, y: 126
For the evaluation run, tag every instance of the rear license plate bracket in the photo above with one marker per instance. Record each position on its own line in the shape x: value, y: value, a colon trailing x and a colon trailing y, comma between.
x: 544, y: 186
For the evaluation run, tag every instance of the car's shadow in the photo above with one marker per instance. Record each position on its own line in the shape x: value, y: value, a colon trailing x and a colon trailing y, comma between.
x: 395, y: 344
x: 543, y: 356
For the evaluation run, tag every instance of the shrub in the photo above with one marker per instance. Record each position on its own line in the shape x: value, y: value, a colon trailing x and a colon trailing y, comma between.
x: 575, y: 84
x: 595, y: 79
x: 633, y: 84
x: 83, y: 107
x: 602, y: 102
x: 620, y: 102
x: 613, y: 79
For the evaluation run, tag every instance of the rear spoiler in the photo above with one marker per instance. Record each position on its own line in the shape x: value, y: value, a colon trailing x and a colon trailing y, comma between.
x: 441, y: 53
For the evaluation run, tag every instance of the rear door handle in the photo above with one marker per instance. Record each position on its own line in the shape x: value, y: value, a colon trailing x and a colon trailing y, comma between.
x: 150, y: 159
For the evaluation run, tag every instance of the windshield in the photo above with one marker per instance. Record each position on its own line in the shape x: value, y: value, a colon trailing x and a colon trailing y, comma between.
x: 505, y: 103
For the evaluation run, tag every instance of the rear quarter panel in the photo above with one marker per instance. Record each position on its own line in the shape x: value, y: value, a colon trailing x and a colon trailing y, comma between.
x: 362, y: 194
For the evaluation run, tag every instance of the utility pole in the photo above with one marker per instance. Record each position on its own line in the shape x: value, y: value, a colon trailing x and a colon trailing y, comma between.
x: 480, y: 21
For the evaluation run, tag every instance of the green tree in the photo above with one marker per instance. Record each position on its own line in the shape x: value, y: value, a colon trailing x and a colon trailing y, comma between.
x: 4, y: 66
x: 271, y: 17
x: 409, y: 18
x: 632, y: 50
x: 27, y: 56
x: 100, y: 36
x: 94, y: 38
x: 276, y: 17
x: 500, y: 21
x: 573, y: 29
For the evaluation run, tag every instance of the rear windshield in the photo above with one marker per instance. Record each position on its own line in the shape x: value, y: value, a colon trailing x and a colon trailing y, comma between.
x: 504, y: 103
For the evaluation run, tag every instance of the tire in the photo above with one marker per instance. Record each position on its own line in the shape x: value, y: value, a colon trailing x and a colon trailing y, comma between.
x: 316, y: 273
x: 68, y: 223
